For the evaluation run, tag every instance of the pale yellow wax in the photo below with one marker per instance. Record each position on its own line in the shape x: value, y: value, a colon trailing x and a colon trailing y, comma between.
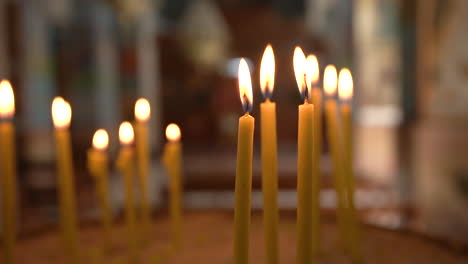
x: 316, y: 96
x: 98, y: 168
x: 8, y: 190
x: 269, y: 180
x: 337, y: 169
x: 66, y: 190
x: 172, y: 159
x: 125, y: 164
x: 243, y: 189
x: 143, y: 157
x: 354, y: 232
x: 305, y: 170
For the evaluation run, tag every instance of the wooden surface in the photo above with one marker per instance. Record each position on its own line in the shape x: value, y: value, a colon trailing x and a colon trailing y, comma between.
x: 208, y: 239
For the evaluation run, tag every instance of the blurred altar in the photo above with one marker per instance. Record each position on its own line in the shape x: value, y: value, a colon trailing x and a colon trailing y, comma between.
x: 409, y: 59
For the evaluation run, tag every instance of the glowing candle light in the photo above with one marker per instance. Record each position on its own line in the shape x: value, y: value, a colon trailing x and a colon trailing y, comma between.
x: 125, y: 163
x: 8, y: 171
x: 330, y: 87
x: 345, y: 92
x: 142, y: 116
x: 305, y: 166
x: 172, y: 159
x: 61, y: 116
x: 312, y: 78
x: 98, y: 168
x: 269, y: 156
x: 244, y: 168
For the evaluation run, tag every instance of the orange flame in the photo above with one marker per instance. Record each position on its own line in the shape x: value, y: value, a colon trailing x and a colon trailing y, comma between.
x: 330, y: 80
x: 173, y: 132
x: 61, y: 113
x: 7, y: 100
x: 299, y: 62
x: 312, y: 71
x: 345, y: 84
x: 245, y: 86
x: 142, y: 109
x: 267, y: 72
x: 100, y: 139
x: 126, y: 133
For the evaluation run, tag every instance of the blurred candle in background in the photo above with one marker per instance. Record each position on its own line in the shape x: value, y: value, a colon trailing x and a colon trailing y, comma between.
x: 172, y: 160
x: 142, y: 115
x: 329, y: 86
x: 345, y: 92
x: 305, y: 181
x: 125, y: 164
x: 243, y: 187
x: 269, y: 156
x: 61, y: 116
x: 312, y: 78
x: 8, y: 171
x: 99, y: 169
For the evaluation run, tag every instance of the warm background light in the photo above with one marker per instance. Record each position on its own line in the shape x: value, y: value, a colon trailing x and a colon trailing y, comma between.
x: 330, y: 80
x: 173, y: 132
x: 142, y: 109
x: 345, y: 84
x: 299, y: 62
x: 312, y: 71
x: 245, y: 86
x: 61, y: 113
x: 100, y: 139
x: 7, y: 100
x: 126, y: 134
x: 267, y: 72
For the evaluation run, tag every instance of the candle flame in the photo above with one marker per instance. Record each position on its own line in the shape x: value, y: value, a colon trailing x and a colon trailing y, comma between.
x: 245, y: 86
x: 330, y: 80
x: 100, y: 139
x: 173, y: 132
x: 267, y: 72
x: 312, y: 71
x: 7, y: 100
x: 345, y: 84
x: 126, y: 134
x: 142, y: 109
x: 61, y: 113
x: 299, y: 62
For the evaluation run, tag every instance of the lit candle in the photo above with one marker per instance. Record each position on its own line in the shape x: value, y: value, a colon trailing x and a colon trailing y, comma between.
x: 61, y: 115
x: 244, y: 168
x: 312, y: 78
x: 125, y: 163
x: 305, y: 166
x: 142, y: 115
x: 8, y: 171
x: 269, y: 157
x: 329, y: 86
x: 98, y: 168
x: 172, y: 159
x: 345, y: 92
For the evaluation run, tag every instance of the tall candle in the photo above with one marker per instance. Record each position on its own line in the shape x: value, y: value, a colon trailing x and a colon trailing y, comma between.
x: 98, y: 168
x: 8, y: 171
x: 243, y: 187
x: 330, y: 85
x: 304, y: 165
x: 142, y: 115
x: 125, y: 163
x: 61, y: 115
x: 269, y: 157
x: 172, y: 159
x: 312, y: 78
x: 345, y: 92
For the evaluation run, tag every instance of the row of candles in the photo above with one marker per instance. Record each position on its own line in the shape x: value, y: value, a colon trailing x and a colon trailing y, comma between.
x: 309, y: 145
x: 98, y: 161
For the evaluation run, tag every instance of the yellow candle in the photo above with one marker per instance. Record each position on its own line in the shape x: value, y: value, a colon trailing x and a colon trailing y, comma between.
x: 125, y: 164
x: 8, y: 171
x: 330, y: 84
x: 98, y: 168
x: 312, y: 78
x: 269, y: 157
x: 304, y: 165
x: 142, y: 115
x: 61, y: 115
x: 345, y: 91
x: 172, y: 159
x: 244, y: 168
